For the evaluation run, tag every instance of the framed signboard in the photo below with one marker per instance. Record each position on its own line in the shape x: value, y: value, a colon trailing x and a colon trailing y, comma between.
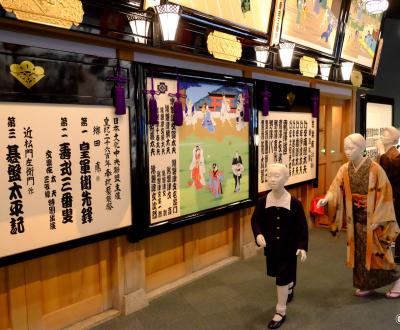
x: 362, y: 35
x: 287, y: 132
x: 312, y: 24
x: 250, y: 15
x: 66, y: 174
x: 204, y: 167
x: 376, y: 113
x: 66, y: 156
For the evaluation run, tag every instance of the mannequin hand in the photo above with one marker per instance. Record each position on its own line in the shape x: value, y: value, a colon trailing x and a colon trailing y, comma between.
x: 303, y: 256
x: 325, y: 200
x: 322, y: 202
x: 374, y: 226
x: 261, y: 240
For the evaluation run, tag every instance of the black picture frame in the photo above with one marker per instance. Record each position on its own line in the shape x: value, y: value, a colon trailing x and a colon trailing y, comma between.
x: 357, y: 65
x: 143, y: 71
x: 69, y: 79
x: 371, y: 117
x: 306, y: 101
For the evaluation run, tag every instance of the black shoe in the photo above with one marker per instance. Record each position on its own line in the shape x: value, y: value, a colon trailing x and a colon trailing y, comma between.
x: 290, y: 296
x: 276, y: 324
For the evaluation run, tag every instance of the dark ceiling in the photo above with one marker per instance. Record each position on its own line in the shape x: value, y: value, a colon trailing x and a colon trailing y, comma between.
x: 394, y: 9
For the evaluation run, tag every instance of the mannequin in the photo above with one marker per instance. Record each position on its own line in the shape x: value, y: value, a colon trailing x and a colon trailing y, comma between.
x: 371, y: 226
x: 279, y: 225
x: 389, y: 159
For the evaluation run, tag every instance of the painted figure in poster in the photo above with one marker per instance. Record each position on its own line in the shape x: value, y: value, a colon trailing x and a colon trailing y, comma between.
x: 279, y: 226
x: 189, y: 113
x: 299, y: 11
x: 326, y: 34
x: 197, y: 168
x: 208, y: 121
x: 239, y: 113
x: 237, y: 170
x: 215, y: 179
x: 245, y: 5
x: 317, y: 6
x: 362, y: 196
x: 225, y: 110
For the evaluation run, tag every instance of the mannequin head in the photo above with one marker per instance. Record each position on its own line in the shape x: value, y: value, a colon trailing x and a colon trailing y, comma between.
x: 390, y: 136
x: 354, y: 146
x: 278, y: 175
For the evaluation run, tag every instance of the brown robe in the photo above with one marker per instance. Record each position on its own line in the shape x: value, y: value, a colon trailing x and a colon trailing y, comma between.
x: 390, y: 162
x: 379, y: 211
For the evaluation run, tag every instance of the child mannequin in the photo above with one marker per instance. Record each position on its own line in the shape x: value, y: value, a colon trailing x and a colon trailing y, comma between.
x: 279, y: 225
x: 371, y: 226
x: 390, y: 161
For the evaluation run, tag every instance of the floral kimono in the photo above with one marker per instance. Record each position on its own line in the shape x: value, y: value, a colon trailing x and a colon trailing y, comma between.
x: 363, y: 197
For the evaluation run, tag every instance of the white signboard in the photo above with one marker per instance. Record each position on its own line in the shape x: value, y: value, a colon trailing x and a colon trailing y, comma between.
x: 289, y: 138
x: 65, y: 174
x: 378, y: 116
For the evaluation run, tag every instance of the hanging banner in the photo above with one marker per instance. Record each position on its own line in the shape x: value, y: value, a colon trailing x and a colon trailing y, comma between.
x: 66, y: 174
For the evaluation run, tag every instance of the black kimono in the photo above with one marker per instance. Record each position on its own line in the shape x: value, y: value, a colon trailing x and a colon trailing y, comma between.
x: 284, y: 232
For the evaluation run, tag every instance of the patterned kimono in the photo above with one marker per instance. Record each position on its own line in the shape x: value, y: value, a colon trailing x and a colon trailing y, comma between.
x: 363, y: 198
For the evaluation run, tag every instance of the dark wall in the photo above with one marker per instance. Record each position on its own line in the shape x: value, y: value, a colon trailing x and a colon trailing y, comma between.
x: 387, y: 81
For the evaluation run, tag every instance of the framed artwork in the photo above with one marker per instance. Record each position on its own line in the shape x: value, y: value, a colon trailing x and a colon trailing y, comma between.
x: 287, y: 132
x: 312, y: 23
x: 204, y: 167
x: 67, y: 158
x: 376, y: 113
x: 362, y: 35
x: 64, y: 178
x: 248, y: 14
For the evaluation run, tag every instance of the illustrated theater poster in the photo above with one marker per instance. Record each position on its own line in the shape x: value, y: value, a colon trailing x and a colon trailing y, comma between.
x: 204, y: 163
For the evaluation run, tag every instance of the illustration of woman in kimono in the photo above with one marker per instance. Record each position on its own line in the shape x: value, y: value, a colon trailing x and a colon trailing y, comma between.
x: 197, y: 169
x: 215, y: 178
x: 208, y: 121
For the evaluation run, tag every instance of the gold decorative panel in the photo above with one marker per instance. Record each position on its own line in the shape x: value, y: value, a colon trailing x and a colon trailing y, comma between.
x: 308, y: 66
x: 60, y: 13
x: 27, y: 73
x: 224, y: 46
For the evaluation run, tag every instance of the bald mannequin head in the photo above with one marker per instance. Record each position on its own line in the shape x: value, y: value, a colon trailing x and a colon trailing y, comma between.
x: 278, y: 174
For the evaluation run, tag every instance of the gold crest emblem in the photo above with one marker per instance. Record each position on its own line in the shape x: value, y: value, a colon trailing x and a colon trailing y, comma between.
x: 224, y: 46
x: 291, y: 97
x: 60, y: 13
x: 27, y: 73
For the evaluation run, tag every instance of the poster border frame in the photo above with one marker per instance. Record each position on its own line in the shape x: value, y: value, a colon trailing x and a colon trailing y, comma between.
x: 142, y: 71
x: 370, y: 98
